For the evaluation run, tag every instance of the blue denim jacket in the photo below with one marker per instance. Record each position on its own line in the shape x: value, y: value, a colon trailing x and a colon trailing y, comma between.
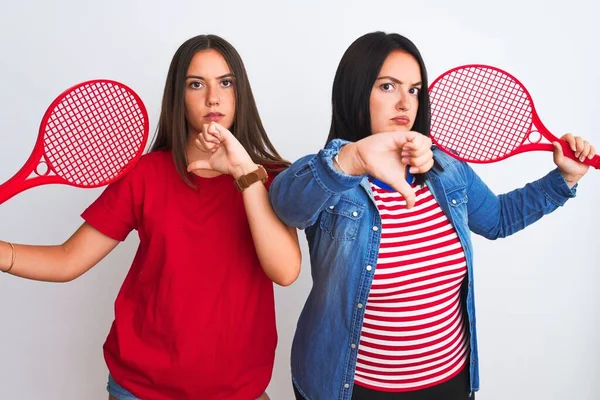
x: 343, y: 229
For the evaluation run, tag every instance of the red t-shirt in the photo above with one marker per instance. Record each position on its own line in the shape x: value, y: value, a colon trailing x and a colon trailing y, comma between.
x: 195, y: 317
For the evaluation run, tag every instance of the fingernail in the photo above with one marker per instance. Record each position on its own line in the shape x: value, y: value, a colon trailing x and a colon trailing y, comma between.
x: 582, y: 158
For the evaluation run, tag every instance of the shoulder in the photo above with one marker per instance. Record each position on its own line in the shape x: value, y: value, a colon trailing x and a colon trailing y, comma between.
x: 150, y: 164
x: 149, y: 168
x: 447, y: 167
x: 444, y: 159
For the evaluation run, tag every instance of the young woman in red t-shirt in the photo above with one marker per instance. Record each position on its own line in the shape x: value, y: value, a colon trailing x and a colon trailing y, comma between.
x: 195, y: 316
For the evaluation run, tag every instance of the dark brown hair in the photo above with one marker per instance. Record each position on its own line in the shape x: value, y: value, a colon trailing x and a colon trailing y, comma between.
x: 172, y: 133
x: 353, y: 83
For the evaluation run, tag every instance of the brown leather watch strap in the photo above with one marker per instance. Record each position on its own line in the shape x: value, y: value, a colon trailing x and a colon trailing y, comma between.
x: 260, y: 174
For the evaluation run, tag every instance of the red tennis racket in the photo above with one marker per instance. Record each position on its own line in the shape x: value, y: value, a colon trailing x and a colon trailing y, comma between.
x: 90, y: 136
x: 482, y: 114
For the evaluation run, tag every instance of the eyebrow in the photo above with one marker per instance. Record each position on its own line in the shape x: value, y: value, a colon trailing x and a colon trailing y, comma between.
x: 229, y: 75
x: 391, y: 78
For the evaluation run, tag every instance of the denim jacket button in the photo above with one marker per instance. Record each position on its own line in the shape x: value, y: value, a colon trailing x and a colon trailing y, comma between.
x: 369, y: 267
x: 375, y: 228
x: 355, y: 214
x: 453, y: 201
x: 353, y: 345
x: 346, y: 385
x: 331, y: 207
x: 360, y: 305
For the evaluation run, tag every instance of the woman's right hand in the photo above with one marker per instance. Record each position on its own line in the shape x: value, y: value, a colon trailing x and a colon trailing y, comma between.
x: 385, y: 157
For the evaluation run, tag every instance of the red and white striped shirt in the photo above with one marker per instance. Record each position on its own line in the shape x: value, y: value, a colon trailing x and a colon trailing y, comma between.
x: 413, y: 334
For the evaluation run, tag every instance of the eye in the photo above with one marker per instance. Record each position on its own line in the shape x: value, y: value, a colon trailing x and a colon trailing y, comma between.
x: 387, y: 87
x: 414, y: 90
x: 227, y: 83
x: 196, y: 85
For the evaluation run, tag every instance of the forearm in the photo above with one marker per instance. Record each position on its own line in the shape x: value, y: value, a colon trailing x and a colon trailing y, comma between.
x: 58, y: 263
x: 276, y: 244
x: 41, y: 263
x: 311, y: 184
x: 500, y: 216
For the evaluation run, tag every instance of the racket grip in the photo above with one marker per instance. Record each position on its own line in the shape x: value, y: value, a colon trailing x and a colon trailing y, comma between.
x: 592, y: 162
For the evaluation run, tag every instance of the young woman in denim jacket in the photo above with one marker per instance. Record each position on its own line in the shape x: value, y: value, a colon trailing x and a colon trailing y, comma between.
x: 391, y: 314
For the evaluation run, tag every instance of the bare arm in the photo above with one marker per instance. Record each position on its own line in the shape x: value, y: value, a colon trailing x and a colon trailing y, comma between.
x: 59, y: 263
x: 276, y: 244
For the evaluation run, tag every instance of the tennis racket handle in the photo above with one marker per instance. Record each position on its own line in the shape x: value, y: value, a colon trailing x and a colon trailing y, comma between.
x: 13, y: 187
x: 23, y: 180
x: 592, y: 162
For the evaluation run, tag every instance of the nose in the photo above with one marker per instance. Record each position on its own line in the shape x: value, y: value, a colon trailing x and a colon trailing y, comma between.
x: 212, y: 99
x: 403, y: 102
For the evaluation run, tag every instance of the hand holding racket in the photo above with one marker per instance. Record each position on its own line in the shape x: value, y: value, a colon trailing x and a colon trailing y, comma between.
x: 90, y: 136
x: 483, y: 114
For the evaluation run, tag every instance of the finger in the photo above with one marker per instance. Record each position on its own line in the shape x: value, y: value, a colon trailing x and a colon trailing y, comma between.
x: 592, y: 152
x: 587, y: 147
x: 402, y: 138
x: 406, y: 191
x: 208, y: 134
x: 412, y: 149
x: 198, y: 165
x: 422, y: 168
x: 419, y: 162
x: 418, y: 158
x: 212, y: 130
x: 579, y: 145
x: 206, y: 147
x: 200, y: 145
x: 206, y: 141
x: 221, y: 132
x: 570, y: 139
x: 420, y: 145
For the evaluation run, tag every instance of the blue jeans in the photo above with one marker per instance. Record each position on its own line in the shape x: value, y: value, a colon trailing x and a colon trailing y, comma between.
x: 119, y: 392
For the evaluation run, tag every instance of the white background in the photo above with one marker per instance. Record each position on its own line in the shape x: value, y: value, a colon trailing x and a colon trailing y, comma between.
x: 537, y: 301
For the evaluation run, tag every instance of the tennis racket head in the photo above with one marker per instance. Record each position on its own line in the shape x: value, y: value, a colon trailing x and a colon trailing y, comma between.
x: 480, y: 113
x: 93, y: 133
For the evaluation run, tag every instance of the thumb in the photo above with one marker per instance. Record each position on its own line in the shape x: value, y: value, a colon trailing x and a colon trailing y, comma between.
x: 558, y: 152
x: 406, y: 191
x: 198, y: 165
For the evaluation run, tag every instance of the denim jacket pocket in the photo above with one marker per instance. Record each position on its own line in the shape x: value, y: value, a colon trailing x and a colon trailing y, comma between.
x: 457, y: 201
x: 342, y: 221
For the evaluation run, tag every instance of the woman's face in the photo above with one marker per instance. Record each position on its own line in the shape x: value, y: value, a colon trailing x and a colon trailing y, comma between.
x: 209, y: 91
x: 395, y: 95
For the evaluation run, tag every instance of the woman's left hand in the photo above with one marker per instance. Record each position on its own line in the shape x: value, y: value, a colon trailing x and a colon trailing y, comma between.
x: 570, y: 169
x: 227, y: 155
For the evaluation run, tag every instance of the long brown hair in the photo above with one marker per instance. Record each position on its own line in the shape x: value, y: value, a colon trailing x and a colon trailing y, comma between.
x: 172, y: 133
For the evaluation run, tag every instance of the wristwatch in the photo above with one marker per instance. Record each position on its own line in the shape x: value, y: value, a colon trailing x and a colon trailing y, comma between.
x: 244, y: 181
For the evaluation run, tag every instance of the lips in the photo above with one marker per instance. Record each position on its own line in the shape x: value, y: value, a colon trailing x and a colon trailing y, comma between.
x: 214, y: 116
x: 401, y: 120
